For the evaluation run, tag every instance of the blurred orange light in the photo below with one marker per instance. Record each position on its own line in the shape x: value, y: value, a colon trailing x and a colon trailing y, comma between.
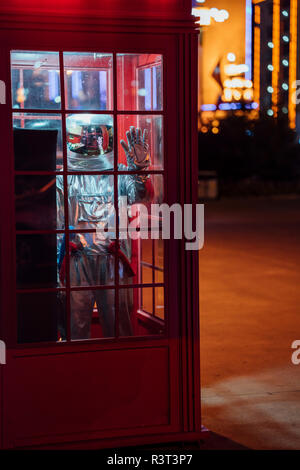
x: 256, y: 72
x: 293, y: 61
x: 237, y: 95
x: 227, y: 94
x: 276, y: 55
x: 248, y: 95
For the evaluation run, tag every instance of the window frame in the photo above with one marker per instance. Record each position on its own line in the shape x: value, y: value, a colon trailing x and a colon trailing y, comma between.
x: 65, y: 172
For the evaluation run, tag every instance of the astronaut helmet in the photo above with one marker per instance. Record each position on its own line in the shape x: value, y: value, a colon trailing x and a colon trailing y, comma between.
x: 90, y: 134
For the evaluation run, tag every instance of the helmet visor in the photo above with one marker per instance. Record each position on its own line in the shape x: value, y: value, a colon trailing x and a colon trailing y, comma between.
x: 90, y: 135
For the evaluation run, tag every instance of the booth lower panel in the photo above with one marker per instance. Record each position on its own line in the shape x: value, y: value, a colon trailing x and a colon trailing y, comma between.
x: 90, y: 395
x: 135, y: 440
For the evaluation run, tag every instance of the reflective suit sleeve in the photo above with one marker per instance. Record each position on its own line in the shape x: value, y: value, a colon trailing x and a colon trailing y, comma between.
x: 136, y: 186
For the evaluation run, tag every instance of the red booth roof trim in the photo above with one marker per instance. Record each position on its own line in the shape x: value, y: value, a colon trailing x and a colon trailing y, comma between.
x: 179, y: 9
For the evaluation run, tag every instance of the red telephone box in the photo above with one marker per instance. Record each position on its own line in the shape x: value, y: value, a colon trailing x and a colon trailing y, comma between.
x: 101, y: 336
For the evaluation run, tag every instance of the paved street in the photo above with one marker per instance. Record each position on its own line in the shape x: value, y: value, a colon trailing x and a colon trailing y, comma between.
x: 250, y: 315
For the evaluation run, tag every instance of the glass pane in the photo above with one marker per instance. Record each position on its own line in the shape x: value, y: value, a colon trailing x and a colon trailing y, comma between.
x: 35, y: 80
x: 127, y: 304
x: 136, y: 313
x: 90, y: 142
x: 143, y: 189
x: 39, y: 202
x: 159, y: 276
x: 157, y: 184
x: 92, y: 263
x: 139, y: 82
x: 136, y: 222
x: 127, y: 261
x: 146, y: 300
x: 151, y: 261
x: 37, y: 142
x: 92, y: 314
x: 159, y: 303
x: 159, y: 260
x: 36, y: 261
x: 147, y: 251
x: 143, y: 146
x: 159, y: 252
x: 88, y: 80
x: 136, y: 193
x: 147, y: 275
x: 146, y: 271
x: 40, y: 316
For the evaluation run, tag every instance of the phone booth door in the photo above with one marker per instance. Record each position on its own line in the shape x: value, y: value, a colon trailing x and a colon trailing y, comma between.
x: 91, y: 316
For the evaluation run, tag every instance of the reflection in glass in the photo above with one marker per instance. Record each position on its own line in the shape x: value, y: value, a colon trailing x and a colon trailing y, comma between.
x: 92, y: 314
x: 154, y: 129
x: 37, y: 142
x: 88, y: 80
x: 35, y: 80
x: 35, y: 203
x: 137, y: 305
x: 139, y: 82
x: 39, y: 316
x: 90, y: 142
x: 36, y: 261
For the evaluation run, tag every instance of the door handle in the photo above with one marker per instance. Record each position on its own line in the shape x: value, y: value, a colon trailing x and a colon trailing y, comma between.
x: 2, y: 352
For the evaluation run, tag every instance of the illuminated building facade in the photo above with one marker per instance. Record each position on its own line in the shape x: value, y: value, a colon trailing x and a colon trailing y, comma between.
x: 275, y: 49
x: 225, y: 58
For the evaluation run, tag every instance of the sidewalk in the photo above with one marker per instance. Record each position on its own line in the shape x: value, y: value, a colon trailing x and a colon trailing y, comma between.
x: 250, y: 315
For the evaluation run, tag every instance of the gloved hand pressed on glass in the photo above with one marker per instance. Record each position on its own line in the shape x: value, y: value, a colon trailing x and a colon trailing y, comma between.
x: 137, y: 150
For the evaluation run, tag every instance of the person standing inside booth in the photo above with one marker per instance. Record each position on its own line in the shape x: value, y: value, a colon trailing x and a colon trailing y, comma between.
x: 91, y: 206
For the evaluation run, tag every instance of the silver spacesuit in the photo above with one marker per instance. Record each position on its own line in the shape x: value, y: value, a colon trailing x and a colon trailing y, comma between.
x: 91, y: 206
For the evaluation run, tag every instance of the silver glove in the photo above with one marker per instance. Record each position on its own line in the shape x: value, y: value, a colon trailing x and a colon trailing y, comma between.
x: 137, y: 150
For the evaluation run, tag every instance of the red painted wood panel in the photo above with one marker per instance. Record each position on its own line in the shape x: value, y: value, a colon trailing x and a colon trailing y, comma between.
x: 124, y: 8
x: 85, y: 392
